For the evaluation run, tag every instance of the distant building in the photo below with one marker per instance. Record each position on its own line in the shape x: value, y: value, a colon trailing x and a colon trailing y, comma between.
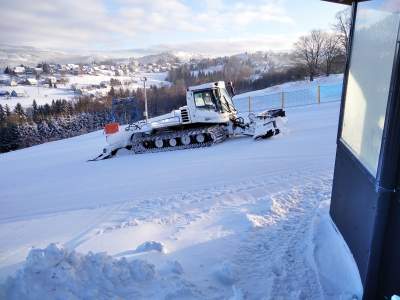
x: 19, y: 70
x: 51, y: 81
x: 104, y: 84
x: 31, y: 81
x: 38, y: 71
x: 28, y: 71
x: 119, y: 72
x: 17, y: 94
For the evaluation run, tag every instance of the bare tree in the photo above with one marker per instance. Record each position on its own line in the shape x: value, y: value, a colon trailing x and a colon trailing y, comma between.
x: 331, y: 50
x: 309, y: 49
x: 268, y: 62
x: 234, y: 69
x: 342, y: 27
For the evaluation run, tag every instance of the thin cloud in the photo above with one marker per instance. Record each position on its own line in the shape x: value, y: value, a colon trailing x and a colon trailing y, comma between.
x: 95, y: 24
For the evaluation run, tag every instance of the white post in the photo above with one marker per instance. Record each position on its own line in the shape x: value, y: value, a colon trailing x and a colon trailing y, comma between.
x: 146, y: 115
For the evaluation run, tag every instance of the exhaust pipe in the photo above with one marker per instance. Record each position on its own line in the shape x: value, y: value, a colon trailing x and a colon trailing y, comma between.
x: 231, y: 88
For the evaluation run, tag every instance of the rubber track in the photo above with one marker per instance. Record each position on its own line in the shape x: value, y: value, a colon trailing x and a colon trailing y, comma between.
x: 217, y: 133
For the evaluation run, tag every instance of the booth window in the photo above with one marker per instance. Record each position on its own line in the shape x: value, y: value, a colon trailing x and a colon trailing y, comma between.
x: 374, y: 42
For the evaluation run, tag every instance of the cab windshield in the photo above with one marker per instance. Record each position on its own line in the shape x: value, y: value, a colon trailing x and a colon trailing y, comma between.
x: 205, y: 99
x: 215, y: 99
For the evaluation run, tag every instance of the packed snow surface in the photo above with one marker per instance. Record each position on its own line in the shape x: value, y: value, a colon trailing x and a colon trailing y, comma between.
x: 243, y: 219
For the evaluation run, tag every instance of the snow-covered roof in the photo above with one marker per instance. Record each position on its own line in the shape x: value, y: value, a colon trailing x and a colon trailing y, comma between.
x: 19, y: 69
x: 220, y: 84
x: 31, y: 81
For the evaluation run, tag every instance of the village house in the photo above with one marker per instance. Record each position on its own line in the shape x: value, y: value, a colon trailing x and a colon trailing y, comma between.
x: 4, y: 93
x: 30, y: 81
x: 17, y: 94
x: 51, y: 81
x: 19, y: 70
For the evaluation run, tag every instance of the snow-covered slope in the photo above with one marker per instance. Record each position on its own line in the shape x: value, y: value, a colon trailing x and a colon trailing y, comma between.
x: 241, y: 220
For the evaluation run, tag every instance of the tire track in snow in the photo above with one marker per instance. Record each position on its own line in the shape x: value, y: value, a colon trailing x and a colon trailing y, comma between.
x: 272, y: 262
x: 184, y: 207
x: 89, y: 231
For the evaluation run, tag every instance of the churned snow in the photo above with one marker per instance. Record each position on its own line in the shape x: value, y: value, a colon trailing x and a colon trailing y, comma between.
x: 243, y: 219
x: 151, y: 246
x: 57, y: 273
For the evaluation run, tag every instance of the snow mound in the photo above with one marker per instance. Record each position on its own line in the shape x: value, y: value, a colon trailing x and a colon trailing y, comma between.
x: 225, y: 275
x: 332, y: 256
x: 237, y: 294
x: 172, y: 267
x: 256, y: 220
x: 56, y: 273
x: 151, y: 246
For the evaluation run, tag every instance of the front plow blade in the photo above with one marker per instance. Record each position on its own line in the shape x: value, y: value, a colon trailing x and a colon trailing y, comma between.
x: 105, y: 155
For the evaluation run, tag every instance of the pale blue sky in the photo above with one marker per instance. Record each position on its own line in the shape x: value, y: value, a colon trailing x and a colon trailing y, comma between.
x: 207, y: 27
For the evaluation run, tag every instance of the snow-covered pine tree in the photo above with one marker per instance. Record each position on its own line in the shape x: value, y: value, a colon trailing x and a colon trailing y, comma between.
x: 9, y: 138
x: 7, y: 110
x: 19, y: 111
x: 2, y: 115
x: 35, y: 111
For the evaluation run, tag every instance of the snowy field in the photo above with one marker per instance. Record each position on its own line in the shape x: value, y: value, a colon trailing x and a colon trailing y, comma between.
x: 43, y: 94
x: 153, y: 79
x: 240, y: 220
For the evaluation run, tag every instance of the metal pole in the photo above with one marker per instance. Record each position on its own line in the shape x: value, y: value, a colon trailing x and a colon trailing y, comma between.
x: 283, y: 99
x: 319, y: 94
x: 146, y: 115
x: 249, y: 104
